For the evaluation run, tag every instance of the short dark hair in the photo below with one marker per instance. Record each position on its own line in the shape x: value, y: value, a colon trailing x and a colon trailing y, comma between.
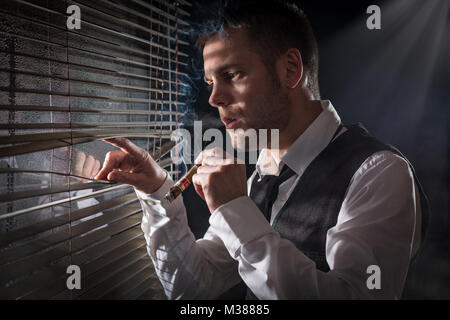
x: 274, y: 26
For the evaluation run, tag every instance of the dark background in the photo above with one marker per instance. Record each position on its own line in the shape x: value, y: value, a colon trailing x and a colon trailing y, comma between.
x: 396, y: 82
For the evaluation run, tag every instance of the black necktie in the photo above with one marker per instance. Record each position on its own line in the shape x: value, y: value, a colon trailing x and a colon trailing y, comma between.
x: 265, y: 192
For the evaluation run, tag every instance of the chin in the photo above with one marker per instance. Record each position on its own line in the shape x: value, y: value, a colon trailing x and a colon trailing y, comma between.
x: 241, y: 141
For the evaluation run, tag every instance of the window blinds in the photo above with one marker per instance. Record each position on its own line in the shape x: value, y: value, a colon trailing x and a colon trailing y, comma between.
x: 61, y: 92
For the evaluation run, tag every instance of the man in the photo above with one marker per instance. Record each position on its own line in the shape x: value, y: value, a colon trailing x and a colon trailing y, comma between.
x: 347, y: 202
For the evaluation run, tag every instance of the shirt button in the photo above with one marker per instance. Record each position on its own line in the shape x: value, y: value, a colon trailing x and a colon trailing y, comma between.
x: 283, y: 197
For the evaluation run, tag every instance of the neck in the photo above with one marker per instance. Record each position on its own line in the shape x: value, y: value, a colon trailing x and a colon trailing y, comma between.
x: 301, y: 117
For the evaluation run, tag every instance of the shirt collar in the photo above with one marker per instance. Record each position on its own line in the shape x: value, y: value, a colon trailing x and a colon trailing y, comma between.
x: 306, y: 147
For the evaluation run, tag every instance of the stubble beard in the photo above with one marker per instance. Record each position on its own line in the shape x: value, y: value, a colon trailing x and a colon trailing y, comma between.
x: 273, y: 115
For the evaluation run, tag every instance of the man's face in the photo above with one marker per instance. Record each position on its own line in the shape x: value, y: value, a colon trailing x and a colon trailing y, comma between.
x: 247, y: 94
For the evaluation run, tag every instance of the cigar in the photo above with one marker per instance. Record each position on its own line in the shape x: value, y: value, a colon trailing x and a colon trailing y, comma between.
x: 181, y: 185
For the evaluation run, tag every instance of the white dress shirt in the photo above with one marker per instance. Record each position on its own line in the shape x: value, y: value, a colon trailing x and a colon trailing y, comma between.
x: 378, y: 224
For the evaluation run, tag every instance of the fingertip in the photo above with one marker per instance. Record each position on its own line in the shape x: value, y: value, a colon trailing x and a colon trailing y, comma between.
x: 112, y: 176
x: 120, y: 177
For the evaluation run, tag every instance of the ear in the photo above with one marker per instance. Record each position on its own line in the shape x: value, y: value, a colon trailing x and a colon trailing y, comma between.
x: 294, y: 68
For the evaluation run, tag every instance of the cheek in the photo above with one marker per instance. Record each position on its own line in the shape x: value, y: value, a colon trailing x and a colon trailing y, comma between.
x: 243, y: 93
x: 255, y: 99
x: 251, y: 88
x: 249, y: 99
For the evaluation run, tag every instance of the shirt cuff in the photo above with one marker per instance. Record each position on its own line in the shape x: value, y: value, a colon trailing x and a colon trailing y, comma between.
x: 238, y: 222
x: 158, y: 195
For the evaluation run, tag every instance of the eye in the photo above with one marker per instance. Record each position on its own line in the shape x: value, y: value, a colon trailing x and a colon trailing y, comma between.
x: 231, y: 75
x: 209, y: 86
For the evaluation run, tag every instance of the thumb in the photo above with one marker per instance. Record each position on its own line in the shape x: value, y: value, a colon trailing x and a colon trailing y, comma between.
x: 123, y: 177
x: 104, y: 173
x: 198, y: 187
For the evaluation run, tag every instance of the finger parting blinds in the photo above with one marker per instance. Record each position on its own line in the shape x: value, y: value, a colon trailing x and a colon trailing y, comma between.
x: 73, y: 73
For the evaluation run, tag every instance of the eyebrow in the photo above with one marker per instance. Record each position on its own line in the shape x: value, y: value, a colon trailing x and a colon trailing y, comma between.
x: 221, y: 69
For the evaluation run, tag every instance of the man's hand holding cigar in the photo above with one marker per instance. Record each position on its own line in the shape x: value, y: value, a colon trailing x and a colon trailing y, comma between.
x: 219, y: 178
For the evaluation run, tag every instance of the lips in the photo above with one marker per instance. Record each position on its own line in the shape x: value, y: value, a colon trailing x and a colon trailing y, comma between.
x: 230, y: 122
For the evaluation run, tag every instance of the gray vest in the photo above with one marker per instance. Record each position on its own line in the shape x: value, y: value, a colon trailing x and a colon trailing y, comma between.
x: 313, y: 206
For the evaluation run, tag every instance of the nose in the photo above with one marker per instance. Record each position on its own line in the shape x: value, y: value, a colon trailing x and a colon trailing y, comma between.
x: 219, y: 96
